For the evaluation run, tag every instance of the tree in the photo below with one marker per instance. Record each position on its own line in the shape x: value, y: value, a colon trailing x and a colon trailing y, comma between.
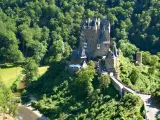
x: 151, y: 70
x: 146, y: 59
x: 89, y: 13
x: 7, y: 105
x: 30, y: 70
x: 130, y: 104
x: 112, y: 18
x: 58, y: 47
x: 84, y: 79
x: 158, y: 118
x: 134, y: 75
x: 91, y: 64
x: 128, y: 49
x: 104, y: 81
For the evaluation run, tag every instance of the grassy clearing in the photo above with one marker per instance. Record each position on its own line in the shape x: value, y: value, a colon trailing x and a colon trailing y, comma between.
x: 42, y: 70
x: 9, y: 75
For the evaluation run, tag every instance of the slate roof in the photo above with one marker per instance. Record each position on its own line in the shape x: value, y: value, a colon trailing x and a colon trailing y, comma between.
x: 75, y: 54
x: 103, y: 38
x: 79, y: 54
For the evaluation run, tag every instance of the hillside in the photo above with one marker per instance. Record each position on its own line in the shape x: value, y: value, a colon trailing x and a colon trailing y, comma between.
x: 47, y: 30
x: 44, y: 32
x: 84, y: 96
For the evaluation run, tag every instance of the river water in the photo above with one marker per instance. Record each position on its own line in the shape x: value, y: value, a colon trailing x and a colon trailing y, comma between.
x: 26, y: 114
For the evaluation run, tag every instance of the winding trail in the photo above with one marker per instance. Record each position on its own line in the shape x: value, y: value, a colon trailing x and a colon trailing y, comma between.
x: 152, y: 110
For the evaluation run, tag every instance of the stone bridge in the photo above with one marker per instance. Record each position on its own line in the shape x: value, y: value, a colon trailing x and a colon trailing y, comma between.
x: 151, y: 110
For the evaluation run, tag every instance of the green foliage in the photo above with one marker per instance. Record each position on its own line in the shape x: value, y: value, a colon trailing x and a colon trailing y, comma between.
x: 47, y: 30
x: 128, y: 49
x: 143, y: 78
x: 104, y: 81
x: 158, y: 118
x: 9, y: 51
x: 7, y: 105
x: 131, y: 107
x: 91, y: 64
x: 134, y: 76
x: 84, y: 79
x: 156, y: 95
x: 30, y: 70
x: 151, y: 70
x: 63, y: 96
x: 37, y: 28
x: 149, y: 59
x: 15, y: 85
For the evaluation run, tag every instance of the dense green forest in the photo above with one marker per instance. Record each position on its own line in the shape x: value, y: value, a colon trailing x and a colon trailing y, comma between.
x: 47, y: 30
x: 44, y: 32
x: 86, y: 95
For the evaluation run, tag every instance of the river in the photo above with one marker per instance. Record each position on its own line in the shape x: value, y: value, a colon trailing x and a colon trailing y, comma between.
x: 27, y: 114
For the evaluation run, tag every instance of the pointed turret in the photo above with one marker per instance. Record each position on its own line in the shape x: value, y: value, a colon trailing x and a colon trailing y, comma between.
x: 83, y: 53
x: 115, y: 49
x: 99, y: 22
x: 95, y: 25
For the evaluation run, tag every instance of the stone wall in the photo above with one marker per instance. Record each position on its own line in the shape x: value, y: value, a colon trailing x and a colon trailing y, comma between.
x: 139, y: 58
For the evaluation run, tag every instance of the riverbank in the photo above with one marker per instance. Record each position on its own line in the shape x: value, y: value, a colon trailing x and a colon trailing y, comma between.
x: 26, y: 112
x: 6, y: 117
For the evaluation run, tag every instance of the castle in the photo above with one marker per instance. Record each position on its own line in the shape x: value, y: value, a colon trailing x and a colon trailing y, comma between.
x: 95, y: 43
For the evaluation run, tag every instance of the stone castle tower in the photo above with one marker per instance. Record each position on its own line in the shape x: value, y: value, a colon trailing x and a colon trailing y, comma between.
x: 95, y: 42
x: 95, y: 37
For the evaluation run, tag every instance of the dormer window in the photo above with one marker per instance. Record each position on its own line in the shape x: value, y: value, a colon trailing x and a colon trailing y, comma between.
x: 98, y: 46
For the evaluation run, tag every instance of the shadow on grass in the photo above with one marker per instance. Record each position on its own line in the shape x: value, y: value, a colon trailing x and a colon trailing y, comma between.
x: 3, y: 66
x: 8, y: 65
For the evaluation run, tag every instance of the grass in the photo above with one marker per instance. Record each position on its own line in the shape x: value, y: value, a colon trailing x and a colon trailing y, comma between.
x: 9, y: 75
x: 42, y: 70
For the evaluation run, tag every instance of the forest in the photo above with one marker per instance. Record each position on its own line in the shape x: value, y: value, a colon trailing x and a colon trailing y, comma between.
x: 86, y: 95
x: 44, y: 32
x: 47, y: 30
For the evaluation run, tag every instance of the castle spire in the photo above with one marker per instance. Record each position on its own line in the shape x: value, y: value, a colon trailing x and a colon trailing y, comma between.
x: 115, y: 49
x: 95, y: 25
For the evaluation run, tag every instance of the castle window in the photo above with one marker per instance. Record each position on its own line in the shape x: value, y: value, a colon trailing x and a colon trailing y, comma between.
x: 98, y: 46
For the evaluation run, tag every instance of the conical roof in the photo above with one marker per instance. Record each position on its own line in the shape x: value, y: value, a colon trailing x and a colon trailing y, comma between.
x: 83, y: 53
